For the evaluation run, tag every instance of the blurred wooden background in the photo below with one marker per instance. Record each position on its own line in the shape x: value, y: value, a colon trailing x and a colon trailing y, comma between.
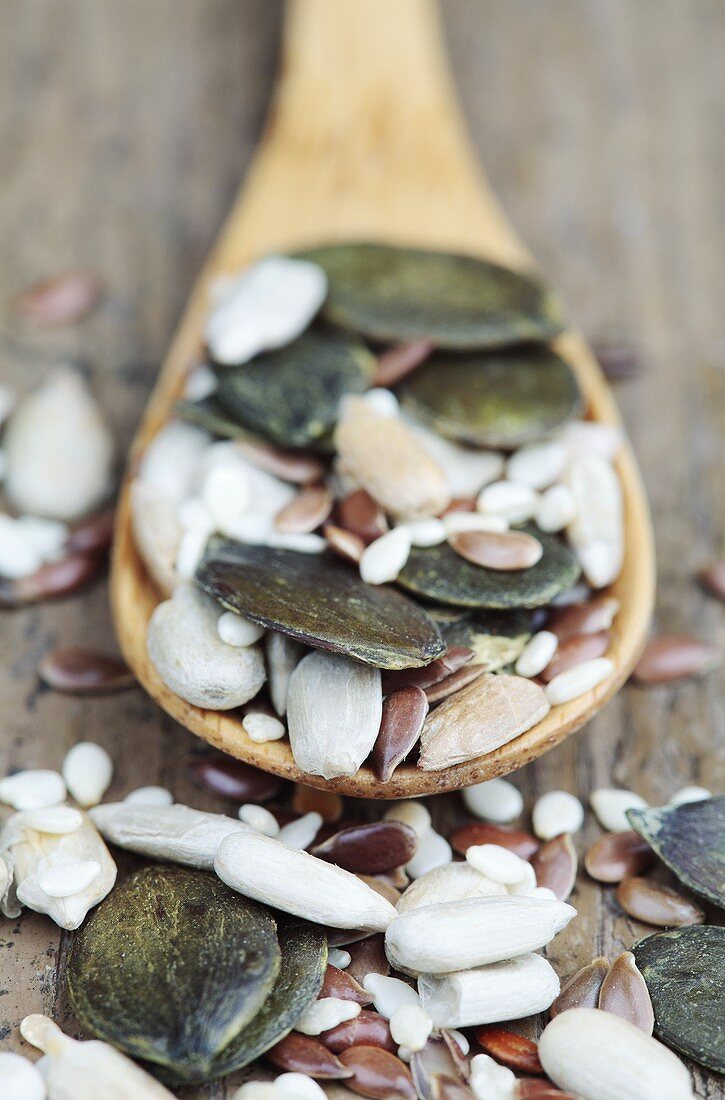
x: 125, y: 130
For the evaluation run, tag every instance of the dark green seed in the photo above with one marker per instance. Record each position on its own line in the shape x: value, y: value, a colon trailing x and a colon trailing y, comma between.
x: 320, y: 601
x: 209, y: 414
x: 438, y: 573
x: 503, y: 399
x: 684, y: 972
x: 401, y: 294
x: 496, y: 637
x: 690, y: 839
x: 292, y: 396
x: 171, y: 967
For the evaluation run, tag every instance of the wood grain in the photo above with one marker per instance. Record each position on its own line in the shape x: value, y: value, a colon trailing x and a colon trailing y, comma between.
x: 125, y: 130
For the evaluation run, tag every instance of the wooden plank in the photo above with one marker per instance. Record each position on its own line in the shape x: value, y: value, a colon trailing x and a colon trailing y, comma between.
x: 125, y: 131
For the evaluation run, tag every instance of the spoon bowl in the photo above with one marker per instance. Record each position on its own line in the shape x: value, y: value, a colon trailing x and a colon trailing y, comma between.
x: 365, y: 141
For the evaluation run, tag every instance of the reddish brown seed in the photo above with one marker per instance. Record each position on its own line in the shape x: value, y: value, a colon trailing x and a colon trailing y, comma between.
x: 616, y: 855
x: 583, y: 618
x: 653, y: 903
x: 343, y: 937
x: 507, y: 551
x: 404, y: 713
x: 233, y: 779
x: 378, y: 1074
x: 327, y: 804
x: 675, y: 657
x: 345, y: 544
x: 532, y: 1088
x: 480, y: 832
x: 443, y: 1087
x: 94, y: 535
x: 439, y: 1056
x: 455, y: 657
x: 368, y: 957
x: 397, y: 362
x: 51, y: 582
x: 61, y: 300
x: 512, y: 1050
x: 362, y: 515
x: 460, y: 504
x: 292, y: 466
x: 83, y: 671
x: 624, y: 992
x: 555, y: 865
x: 582, y: 989
x: 299, y: 1053
x: 712, y: 577
x: 575, y: 650
x: 338, y: 983
x: 368, y: 1029
x: 306, y: 512
x: 618, y: 361
x: 380, y: 885
x: 369, y: 848
x: 453, y: 682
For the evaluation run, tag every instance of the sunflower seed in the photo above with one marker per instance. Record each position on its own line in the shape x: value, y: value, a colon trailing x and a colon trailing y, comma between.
x: 175, y: 833
x: 690, y: 794
x: 32, y: 789
x: 597, y: 531
x: 653, y: 903
x: 259, y: 818
x: 20, y: 1079
x: 451, y: 882
x: 557, y: 812
x: 538, y: 464
x: 517, y: 503
x: 617, y: 855
x: 462, y: 520
x: 54, y: 819
x: 67, y: 879
x: 494, y: 800
x: 297, y: 1086
x: 497, y: 863
x: 383, y: 559
x: 581, y: 990
x: 461, y: 935
x: 625, y: 993
x: 675, y: 657
x: 150, y: 796
x: 433, y: 851
x: 298, y: 883
x: 156, y: 533
x: 390, y: 994
x: 537, y: 653
x: 579, y: 680
x: 502, y: 991
x: 300, y: 834
x: 591, y: 438
x: 556, y: 509
x: 426, y: 532
x: 410, y: 1027
x: 326, y: 1013
x: 610, y: 807
x: 602, y: 1057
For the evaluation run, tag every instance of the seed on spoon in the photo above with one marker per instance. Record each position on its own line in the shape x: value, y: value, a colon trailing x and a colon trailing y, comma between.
x: 506, y: 551
x: 574, y: 651
x: 402, y: 720
x: 583, y: 618
x: 306, y: 512
x: 94, y: 535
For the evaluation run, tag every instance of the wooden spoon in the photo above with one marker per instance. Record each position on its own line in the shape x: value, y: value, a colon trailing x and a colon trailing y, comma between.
x: 365, y: 140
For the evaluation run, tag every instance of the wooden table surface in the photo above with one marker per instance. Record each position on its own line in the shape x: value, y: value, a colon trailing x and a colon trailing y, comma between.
x: 125, y: 130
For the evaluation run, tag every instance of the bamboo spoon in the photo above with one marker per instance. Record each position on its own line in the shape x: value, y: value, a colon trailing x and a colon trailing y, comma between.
x: 365, y: 140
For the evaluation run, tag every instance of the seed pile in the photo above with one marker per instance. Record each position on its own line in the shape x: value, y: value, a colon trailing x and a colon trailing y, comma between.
x: 324, y: 949
x: 380, y: 464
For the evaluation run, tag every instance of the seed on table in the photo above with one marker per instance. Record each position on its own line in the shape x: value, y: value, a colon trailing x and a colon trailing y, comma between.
x: 507, y: 552
x: 675, y: 657
x: 302, y: 1054
x: 52, y: 581
x: 452, y: 882
x: 359, y: 514
x: 516, y: 840
x: 556, y: 509
x: 493, y: 800
x: 369, y: 848
x: 402, y: 720
x: 83, y: 671
x: 454, y: 658
x: 20, y: 1079
x: 62, y: 299
x: 33, y: 789
x: 653, y: 903
x: 578, y: 681
x: 384, y: 558
x: 54, y: 819
x: 537, y: 654
x: 326, y: 1013
x: 690, y: 794
x: 610, y: 807
x: 259, y: 818
x: 501, y: 991
x: 583, y: 618
x: 233, y: 779
x: 377, y: 1073
x: 327, y: 804
x: 87, y: 771
x: 618, y: 855
x: 497, y: 863
x: 338, y: 983
x: 150, y: 796
x: 236, y: 630
x: 92, y: 536
x: 581, y: 990
x: 306, y: 512
x: 67, y: 879
x: 712, y: 577
x: 555, y: 866
x: 557, y: 812
x: 574, y: 651
x: 396, y: 362
x: 624, y: 992
x: 512, y: 1050
x: 515, y: 502
x: 367, y: 1029
x: 617, y: 361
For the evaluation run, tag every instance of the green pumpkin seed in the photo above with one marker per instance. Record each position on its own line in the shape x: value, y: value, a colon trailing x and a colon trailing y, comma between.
x: 504, y: 399
x: 291, y: 396
x: 690, y: 839
x: 496, y: 637
x: 402, y: 294
x: 438, y: 573
x: 209, y: 414
x: 684, y: 971
x: 304, y: 961
x: 171, y: 967
x: 321, y: 601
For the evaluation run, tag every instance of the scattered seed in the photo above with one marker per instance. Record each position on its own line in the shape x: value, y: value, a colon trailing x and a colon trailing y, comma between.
x: 67, y: 879
x: 259, y: 818
x: 87, y: 771
x: 367, y: 1029
x: 359, y: 514
x: 578, y: 681
x: 555, y: 866
x: 302, y: 1054
x: 618, y: 361
x: 296, y: 1086
x: 150, y: 796
x: 261, y: 727
x: 455, y: 657
x: 58, y: 820
x: 345, y: 544
x: 624, y: 992
x: 369, y: 848
x: 384, y: 558
x: 557, y: 812
x: 501, y: 991
x: 465, y: 836
x: 583, y: 618
x: 712, y: 577
x: 690, y: 794
x: 338, y: 983
x: 92, y: 536
x: 516, y: 503
x: 21, y: 1080
x: 618, y: 855
x: 426, y: 532
x: 326, y: 1013
x: 402, y: 720
x: 233, y: 779
x: 412, y: 813
x: 581, y: 990
x: 454, y: 682
x: 537, y: 654
x: 61, y: 300
x: 308, y: 511
x: 494, y: 800
x: 610, y: 807
x: 311, y: 800
x: 84, y: 671
x: 433, y: 851
x: 574, y: 651
x: 377, y: 1073
x: 50, y: 582
x: 689, y: 839
x: 499, y: 864
x: 33, y: 789
x: 444, y: 1087
x: 461, y: 521
x: 339, y: 958
x: 410, y: 1027
x: 512, y: 1050
x: 389, y: 994
x: 451, y: 882
x: 397, y: 362
x: 300, y: 834
x: 675, y: 657
x: 653, y: 903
